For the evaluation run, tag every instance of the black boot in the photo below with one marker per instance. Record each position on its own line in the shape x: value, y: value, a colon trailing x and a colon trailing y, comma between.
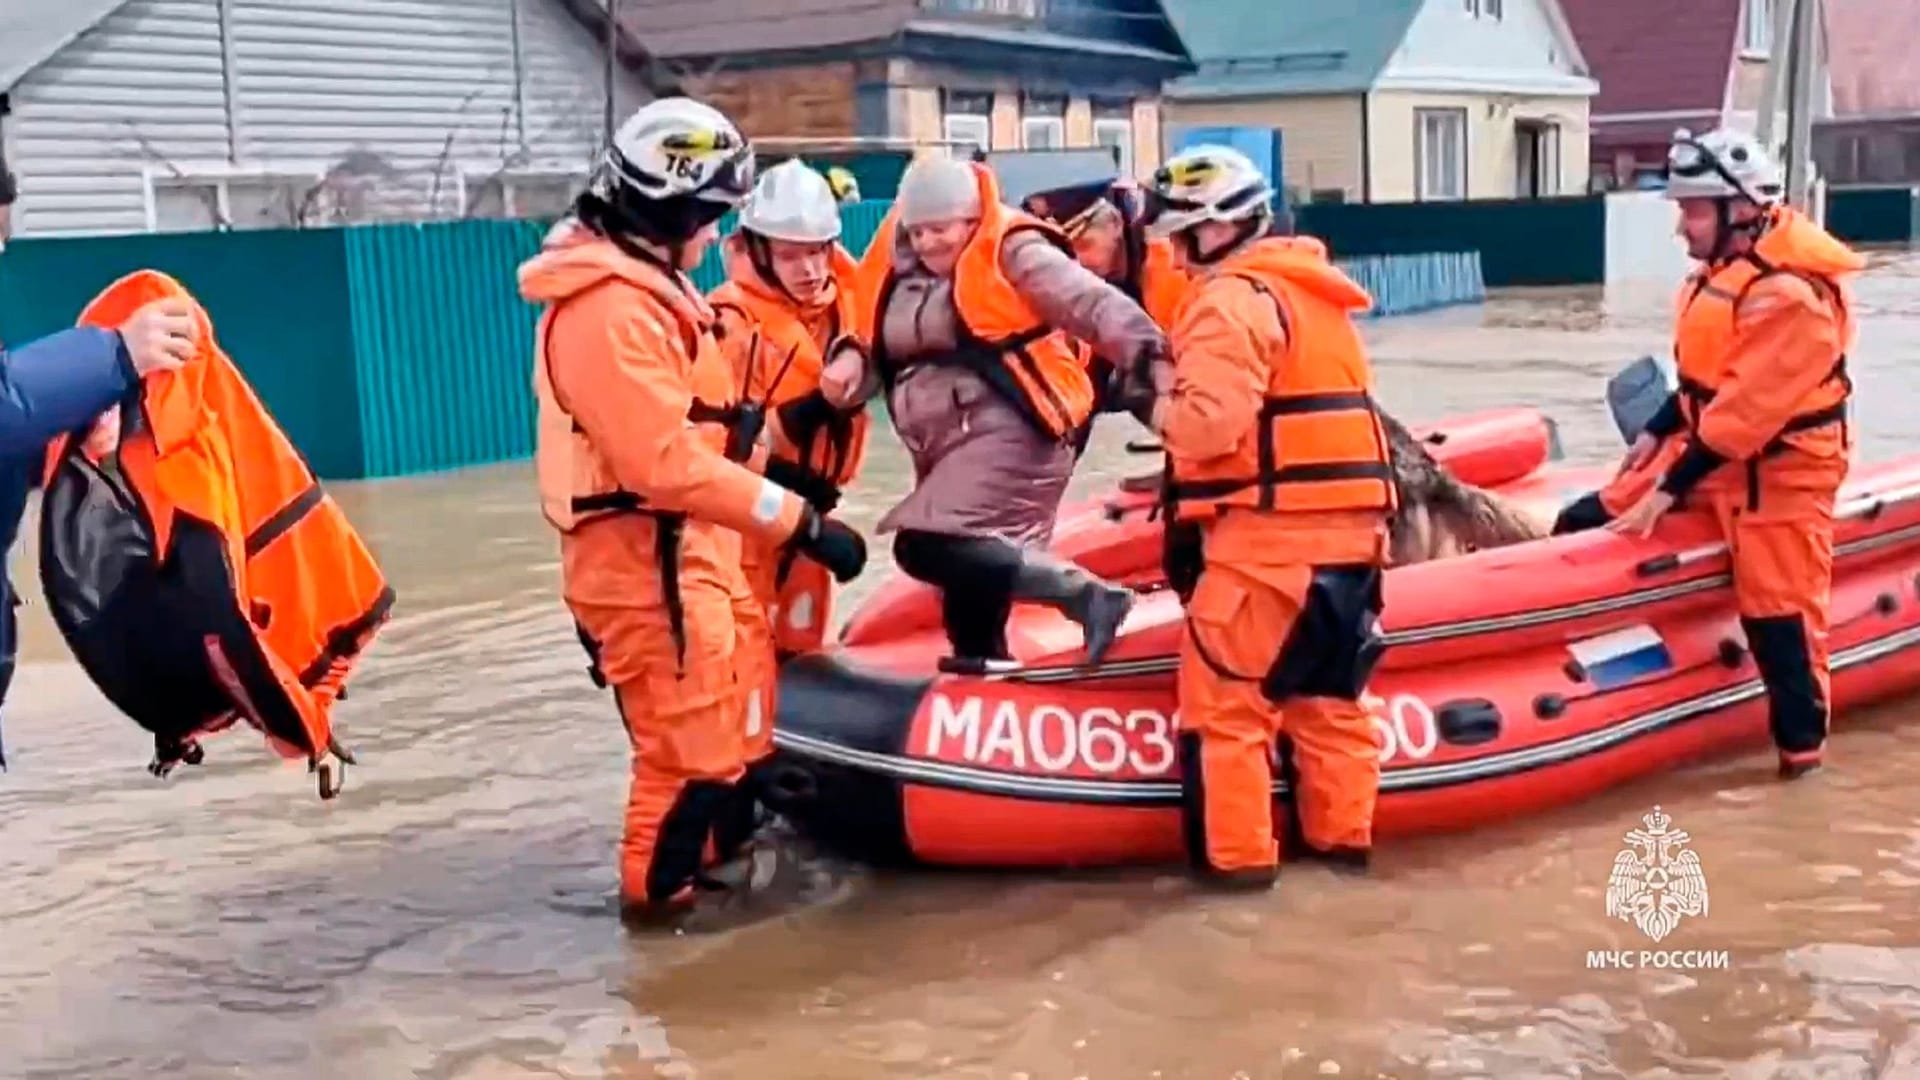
x: 1097, y: 606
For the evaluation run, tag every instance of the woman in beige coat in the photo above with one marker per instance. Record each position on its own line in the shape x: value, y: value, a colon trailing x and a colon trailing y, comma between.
x: 990, y: 418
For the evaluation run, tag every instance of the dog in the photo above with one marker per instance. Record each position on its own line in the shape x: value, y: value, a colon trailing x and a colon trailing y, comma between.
x: 1439, y: 515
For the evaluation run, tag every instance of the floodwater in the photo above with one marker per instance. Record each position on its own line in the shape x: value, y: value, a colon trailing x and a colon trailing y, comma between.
x: 448, y: 916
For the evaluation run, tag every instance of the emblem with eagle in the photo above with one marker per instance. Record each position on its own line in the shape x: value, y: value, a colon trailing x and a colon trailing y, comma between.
x: 1657, y: 880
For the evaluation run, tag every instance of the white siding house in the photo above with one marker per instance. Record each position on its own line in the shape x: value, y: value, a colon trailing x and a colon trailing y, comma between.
x: 1483, y: 99
x: 144, y: 115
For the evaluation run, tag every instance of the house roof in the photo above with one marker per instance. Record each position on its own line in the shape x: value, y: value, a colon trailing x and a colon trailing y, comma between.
x: 31, y: 31
x: 1870, y: 57
x: 713, y: 28
x: 1259, y: 47
x: 673, y: 28
x: 1656, y: 56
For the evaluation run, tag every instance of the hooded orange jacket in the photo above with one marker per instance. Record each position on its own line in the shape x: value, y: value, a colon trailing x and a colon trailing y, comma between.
x: 1037, y: 368
x: 1272, y: 408
x: 777, y: 356
x: 1760, y: 346
x: 205, y: 575
x: 662, y: 395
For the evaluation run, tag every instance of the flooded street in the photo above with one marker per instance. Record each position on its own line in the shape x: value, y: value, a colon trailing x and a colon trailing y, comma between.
x: 449, y: 916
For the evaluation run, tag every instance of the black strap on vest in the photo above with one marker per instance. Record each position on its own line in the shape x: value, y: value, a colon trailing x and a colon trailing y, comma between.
x: 1699, y: 395
x: 987, y: 360
x: 1270, y: 473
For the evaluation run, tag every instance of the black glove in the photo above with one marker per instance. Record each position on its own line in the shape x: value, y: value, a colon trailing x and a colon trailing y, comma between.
x: 804, y: 415
x: 830, y: 543
x: 1147, y: 379
x: 810, y: 486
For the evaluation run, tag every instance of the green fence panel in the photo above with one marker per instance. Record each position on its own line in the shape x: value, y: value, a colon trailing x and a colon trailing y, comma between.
x: 390, y: 350
x: 1520, y: 241
x: 278, y: 300
x: 1872, y: 215
x: 443, y: 342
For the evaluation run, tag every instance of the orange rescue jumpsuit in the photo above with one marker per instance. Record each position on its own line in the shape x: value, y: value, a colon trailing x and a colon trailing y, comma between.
x: 1276, y: 451
x: 634, y: 473
x: 777, y: 351
x: 1761, y: 416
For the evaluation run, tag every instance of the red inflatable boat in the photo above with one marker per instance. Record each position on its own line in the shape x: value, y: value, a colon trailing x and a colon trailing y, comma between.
x: 1517, y: 679
x: 1118, y: 535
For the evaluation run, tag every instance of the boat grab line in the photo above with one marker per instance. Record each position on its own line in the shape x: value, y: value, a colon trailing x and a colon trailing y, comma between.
x: 990, y: 781
x: 1524, y: 620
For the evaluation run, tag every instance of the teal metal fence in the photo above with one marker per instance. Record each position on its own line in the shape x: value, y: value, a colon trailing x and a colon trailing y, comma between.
x: 397, y: 349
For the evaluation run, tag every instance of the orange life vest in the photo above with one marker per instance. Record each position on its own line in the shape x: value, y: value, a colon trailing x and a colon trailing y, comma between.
x: 1155, y: 282
x: 1708, y: 304
x: 576, y: 483
x: 786, y: 365
x: 1003, y: 340
x: 204, y: 575
x: 1319, y: 444
x: 1161, y: 286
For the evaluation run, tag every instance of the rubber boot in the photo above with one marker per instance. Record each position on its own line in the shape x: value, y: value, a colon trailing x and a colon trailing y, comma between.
x: 1097, y: 606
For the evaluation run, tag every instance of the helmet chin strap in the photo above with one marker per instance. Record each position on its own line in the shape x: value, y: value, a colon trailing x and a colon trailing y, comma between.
x: 760, y: 254
x: 1244, y: 232
x: 1726, y: 230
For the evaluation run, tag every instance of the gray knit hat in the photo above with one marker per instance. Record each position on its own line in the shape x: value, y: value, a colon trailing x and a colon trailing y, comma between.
x: 937, y: 188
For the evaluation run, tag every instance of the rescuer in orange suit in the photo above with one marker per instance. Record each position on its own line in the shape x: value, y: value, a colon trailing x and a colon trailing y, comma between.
x: 1756, y: 434
x: 789, y: 303
x: 1276, y: 453
x: 639, y: 445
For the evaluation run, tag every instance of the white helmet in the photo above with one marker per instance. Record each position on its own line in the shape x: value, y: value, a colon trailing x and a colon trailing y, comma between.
x: 1206, y: 183
x: 677, y: 147
x: 1722, y: 164
x: 792, y: 202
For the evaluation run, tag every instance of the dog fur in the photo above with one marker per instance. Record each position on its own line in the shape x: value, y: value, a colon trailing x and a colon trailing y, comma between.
x: 1440, y: 516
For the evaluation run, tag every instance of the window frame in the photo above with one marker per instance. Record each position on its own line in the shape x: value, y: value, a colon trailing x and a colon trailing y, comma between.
x: 1124, y: 128
x: 951, y: 133
x: 1455, y: 119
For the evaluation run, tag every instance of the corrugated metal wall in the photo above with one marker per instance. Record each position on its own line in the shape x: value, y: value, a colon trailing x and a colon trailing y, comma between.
x: 295, y: 344
x: 443, y: 342
x: 405, y: 348
x: 412, y: 96
x: 143, y: 89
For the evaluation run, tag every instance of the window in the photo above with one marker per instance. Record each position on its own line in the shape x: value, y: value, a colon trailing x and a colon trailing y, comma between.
x: 1043, y: 121
x: 1113, y: 129
x: 537, y: 195
x: 977, y: 131
x: 1758, y: 38
x: 1116, y: 135
x: 185, y: 206
x: 256, y: 202
x: 239, y: 201
x: 1910, y: 154
x: 1490, y: 8
x: 1022, y: 9
x: 1440, y: 153
x: 1043, y: 132
x: 965, y: 119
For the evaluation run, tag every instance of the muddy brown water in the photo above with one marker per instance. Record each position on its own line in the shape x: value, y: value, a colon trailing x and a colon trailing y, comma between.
x: 447, y: 917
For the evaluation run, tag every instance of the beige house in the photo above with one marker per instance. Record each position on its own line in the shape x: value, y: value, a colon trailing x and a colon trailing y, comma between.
x: 1398, y: 101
